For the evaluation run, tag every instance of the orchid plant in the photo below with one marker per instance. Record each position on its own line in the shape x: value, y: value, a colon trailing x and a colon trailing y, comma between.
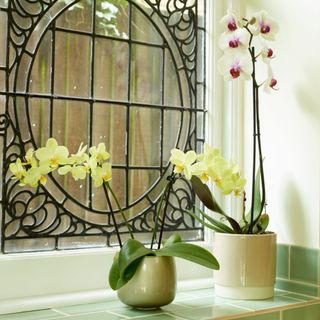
x: 244, y: 43
x: 33, y: 168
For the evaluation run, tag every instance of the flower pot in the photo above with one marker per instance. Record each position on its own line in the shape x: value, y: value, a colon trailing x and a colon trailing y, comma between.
x: 247, y: 265
x: 153, y: 285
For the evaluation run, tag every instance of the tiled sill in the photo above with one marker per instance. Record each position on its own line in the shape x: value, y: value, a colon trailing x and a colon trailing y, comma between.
x: 188, y: 305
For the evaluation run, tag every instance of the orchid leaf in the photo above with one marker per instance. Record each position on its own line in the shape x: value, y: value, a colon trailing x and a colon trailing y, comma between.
x: 263, y: 223
x: 175, y: 238
x: 189, y: 252
x: 212, y: 223
x: 114, y: 273
x: 205, y: 195
x: 257, y: 203
x: 131, y: 254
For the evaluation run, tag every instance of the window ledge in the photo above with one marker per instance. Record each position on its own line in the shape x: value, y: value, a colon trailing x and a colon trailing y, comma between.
x: 189, y: 304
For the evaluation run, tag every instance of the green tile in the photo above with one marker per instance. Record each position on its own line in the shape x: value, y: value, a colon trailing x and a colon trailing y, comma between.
x: 208, y: 312
x: 173, y: 307
x: 300, y: 297
x: 205, y: 301
x: 91, y: 307
x: 32, y: 315
x: 265, y: 316
x: 276, y: 301
x: 310, y: 312
x: 304, y: 265
x: 201, y: 292
x: 95, y: 316
x: 181, y: 296
x: 283, y: 261
x: 130, y: 312
x: 309, y: 290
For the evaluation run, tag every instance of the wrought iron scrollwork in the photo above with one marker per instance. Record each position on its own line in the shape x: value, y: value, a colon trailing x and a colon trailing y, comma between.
x: 4, y: 123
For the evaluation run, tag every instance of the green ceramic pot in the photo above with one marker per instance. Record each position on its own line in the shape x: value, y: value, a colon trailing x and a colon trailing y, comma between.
x: 153, y: 285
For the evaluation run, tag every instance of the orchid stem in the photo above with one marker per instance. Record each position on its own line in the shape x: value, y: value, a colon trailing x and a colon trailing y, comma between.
x: 121, y: 211
x: 112, y: 214
x: 171, y: 179
x: 155, y: 228
x: 263, y: 197
x: 254, y: 141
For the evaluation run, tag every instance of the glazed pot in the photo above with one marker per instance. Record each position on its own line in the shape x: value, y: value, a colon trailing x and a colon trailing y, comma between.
x: 153, y: 285
x: 247, y: 265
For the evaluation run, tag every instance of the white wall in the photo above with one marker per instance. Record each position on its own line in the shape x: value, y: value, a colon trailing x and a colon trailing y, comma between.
x: 291, y: 122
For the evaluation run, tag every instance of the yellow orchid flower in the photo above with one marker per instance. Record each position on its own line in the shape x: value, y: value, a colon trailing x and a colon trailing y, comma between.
x: 205, y: 160
x: 52, y: 154
x: 183, y: 161
x: 101, y: 174
x: 209, y: 154
x: 17, y: 169
x: 219, y: 171
x: 200, y: 169
x: 36, y: 175
x: 99, y: 153
x: 77, y: 172
x: 80, y: 157
x: 29, y: 157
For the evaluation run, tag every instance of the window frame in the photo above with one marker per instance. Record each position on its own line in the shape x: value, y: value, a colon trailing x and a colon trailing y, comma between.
x: 31, y: 281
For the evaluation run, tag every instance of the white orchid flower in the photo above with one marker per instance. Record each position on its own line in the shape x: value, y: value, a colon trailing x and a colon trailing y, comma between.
x: 233, y: 66
x: 264, y: 25
x: 229, y: 22
x: 237, y: 40
x: 271, y: 82
x: 267, y: 55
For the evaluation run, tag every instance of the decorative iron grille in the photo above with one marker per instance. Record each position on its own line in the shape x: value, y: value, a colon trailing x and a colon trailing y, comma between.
x: 127, y: 73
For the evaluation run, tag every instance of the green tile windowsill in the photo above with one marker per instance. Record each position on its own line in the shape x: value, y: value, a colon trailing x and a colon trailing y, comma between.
x: 189, y: 305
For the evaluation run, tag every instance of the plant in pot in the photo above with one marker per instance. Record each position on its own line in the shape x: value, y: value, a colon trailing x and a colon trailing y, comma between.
x: 245, y: 250
x: 144, y: 277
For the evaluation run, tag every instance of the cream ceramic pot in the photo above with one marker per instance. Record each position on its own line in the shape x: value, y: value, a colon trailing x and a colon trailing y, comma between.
x: 247, y: 265
x: 153, y: 285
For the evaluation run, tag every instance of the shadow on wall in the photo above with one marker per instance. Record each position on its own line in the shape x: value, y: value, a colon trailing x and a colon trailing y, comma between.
x: 307, y: 92
x: 294, y: 214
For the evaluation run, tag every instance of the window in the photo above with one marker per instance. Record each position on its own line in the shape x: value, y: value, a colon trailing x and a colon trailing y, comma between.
x: 127, y: 73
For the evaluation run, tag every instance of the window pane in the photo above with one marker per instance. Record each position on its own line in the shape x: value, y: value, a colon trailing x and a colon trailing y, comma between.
x: 77, y: 17
x: 111, y: 18
x: 72, y: 64
x: 146, y: 74
x: 110, y: 127
x: 144, y: 135
x: 126, y: 73
x: 111, y: 69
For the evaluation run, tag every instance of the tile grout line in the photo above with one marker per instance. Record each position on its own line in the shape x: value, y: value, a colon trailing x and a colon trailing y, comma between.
x: 289, y: 262
x: 298, y: 282
x: 60, y: 312
x: 240, y: 307
x: 120, y: 315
